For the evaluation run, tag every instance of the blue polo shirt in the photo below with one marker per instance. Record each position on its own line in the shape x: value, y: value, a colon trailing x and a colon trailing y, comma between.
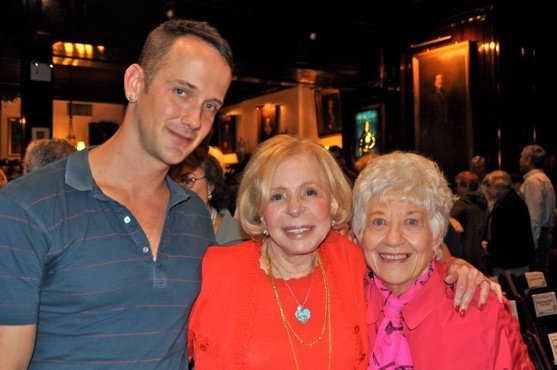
x: 78, y: 264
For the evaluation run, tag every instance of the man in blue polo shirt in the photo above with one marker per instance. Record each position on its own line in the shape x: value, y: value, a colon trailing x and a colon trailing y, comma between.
x: 100, y: 252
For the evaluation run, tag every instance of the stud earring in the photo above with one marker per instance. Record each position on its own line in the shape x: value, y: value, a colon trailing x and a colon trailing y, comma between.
x: 265, y: 232
x: 210, y: 196
x: 131, y: 98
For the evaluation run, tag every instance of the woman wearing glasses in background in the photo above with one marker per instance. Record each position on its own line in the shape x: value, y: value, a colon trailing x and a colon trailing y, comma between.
x: 202, y: 173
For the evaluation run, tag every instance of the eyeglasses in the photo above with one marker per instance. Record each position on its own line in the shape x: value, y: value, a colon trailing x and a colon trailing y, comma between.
x: 188, y: 182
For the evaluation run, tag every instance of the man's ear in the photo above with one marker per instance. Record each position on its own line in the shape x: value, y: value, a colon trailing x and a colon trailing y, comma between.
x: 133, y: 80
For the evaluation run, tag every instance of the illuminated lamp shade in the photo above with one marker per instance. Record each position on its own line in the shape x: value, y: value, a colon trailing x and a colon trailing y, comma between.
x: 80, y: 145
x: 231, y: 158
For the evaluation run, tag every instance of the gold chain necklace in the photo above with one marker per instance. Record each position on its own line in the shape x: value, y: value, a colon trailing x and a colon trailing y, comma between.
x: 302, y: 314
x: 287, y: 326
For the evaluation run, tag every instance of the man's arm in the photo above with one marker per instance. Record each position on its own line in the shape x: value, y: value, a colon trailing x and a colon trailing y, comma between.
x: 16, y: 346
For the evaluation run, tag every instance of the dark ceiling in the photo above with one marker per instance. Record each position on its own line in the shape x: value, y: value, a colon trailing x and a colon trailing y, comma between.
x: 272, y: 40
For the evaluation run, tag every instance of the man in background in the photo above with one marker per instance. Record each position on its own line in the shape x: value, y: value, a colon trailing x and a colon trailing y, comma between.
x: 41, y: 152
x: 336, y: 152
x: 102, y: 261
x: 539, y: 195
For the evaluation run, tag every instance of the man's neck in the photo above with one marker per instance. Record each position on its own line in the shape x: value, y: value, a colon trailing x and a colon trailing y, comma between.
x: 115, y: 165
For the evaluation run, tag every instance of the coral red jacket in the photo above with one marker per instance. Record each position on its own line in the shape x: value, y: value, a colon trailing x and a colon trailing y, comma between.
x: 236, y: 322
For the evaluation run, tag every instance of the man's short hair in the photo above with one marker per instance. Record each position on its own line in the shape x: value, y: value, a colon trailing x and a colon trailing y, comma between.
x: 161, y: 39
x: 536, y: 154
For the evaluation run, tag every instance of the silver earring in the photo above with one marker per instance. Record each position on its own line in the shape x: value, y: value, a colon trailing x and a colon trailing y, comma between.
x: 265, y: 232
x: 131, y: 97
x: 210, y: 196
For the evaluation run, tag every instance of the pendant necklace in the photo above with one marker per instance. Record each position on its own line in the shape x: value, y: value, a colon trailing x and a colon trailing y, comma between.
x: 302, y: 314
x: 288, y: 328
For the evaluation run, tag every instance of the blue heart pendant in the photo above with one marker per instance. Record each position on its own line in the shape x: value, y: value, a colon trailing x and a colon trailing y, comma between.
x: 302, y: 315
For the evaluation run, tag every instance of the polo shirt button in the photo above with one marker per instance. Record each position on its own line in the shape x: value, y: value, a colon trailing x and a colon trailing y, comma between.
x: 145, y: 249
x: 203, y: 347
x: 362, y: 356
x: 127, y: 219
x: 357, y: 329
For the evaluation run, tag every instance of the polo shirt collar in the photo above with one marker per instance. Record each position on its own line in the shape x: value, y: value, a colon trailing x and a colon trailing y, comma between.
x: 80, y: 177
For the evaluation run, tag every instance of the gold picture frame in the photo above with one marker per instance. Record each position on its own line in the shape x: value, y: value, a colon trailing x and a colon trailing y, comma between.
x: 328, y: 111
x: 443, y: 106
x: 268, y: 118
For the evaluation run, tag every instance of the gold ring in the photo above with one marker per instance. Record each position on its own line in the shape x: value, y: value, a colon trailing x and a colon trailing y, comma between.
x: 485, y: 281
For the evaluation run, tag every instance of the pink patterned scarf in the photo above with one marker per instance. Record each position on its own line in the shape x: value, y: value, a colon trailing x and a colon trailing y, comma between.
x: 391, y: 349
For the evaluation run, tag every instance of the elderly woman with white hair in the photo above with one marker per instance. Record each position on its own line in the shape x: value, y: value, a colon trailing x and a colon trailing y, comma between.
x: 402, y: 204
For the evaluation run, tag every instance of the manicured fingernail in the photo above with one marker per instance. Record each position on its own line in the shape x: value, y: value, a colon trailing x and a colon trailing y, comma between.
x: 462, y: 313
x: 482, y: 306
x: 457, y: 308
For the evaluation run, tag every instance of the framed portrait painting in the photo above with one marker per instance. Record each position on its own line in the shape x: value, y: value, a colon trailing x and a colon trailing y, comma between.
x: 15, y: 137
x: 268, y: 117
x: 329, y: 117
x: 99, y: 132
x: 39, y: 133
x: 227, y: 134
x: 443, y: 106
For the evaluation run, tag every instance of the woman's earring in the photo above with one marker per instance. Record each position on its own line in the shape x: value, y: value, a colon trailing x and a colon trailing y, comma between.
x: 265, y: 232
x: 210, y: 196
x: 131, y: 98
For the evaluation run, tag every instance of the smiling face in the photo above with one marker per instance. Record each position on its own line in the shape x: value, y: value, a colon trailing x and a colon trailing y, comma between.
x: 178, y: 109
x: 398, y: 243
x: 298, y: 217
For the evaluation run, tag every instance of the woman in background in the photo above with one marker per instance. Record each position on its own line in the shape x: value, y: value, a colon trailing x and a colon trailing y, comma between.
x: 508, y: 234
x: 202, y: 173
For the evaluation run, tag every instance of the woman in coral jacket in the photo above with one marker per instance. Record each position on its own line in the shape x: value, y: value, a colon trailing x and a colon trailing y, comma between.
x: 293, y: 298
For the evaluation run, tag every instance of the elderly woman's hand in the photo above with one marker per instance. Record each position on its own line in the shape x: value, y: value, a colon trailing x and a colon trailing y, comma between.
x: 468, y: 278
x: 345, y: 230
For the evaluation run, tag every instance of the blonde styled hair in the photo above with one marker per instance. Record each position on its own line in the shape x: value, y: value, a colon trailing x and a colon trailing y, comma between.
x: 254, y: 193
x: 403, y: 176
